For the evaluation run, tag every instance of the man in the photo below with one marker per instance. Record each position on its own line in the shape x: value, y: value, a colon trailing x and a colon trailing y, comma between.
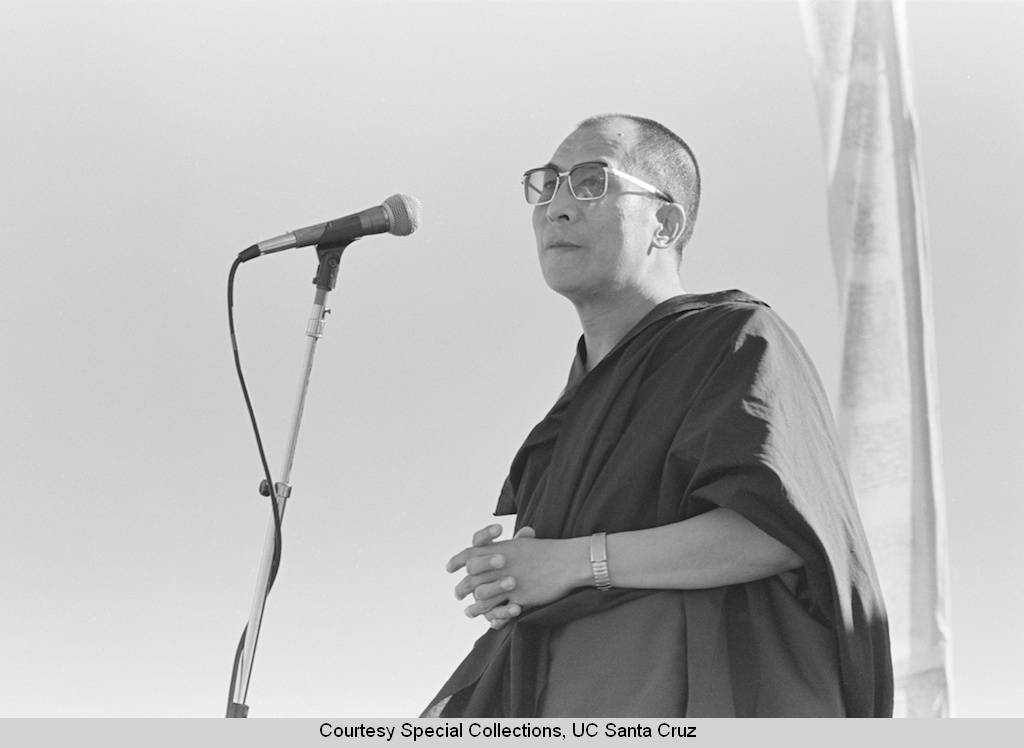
x: 686, y: 540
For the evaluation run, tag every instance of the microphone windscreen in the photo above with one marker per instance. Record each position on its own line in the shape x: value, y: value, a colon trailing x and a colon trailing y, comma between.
x: 404, y: 212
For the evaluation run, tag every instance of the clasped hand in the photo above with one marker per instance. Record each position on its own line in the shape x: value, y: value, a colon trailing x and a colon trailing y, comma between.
x: 505, y: 576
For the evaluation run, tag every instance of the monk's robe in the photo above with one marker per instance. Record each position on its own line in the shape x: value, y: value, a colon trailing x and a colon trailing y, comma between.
x: 709, y: 401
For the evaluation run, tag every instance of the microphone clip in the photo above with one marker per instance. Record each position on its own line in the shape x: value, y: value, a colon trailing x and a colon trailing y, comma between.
x: 330, y: 258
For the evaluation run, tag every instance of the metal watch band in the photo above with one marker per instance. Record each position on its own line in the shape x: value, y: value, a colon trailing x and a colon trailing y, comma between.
x: 599, y: 561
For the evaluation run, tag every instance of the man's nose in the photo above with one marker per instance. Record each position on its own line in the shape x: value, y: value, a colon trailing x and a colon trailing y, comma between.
x: 563, y: 206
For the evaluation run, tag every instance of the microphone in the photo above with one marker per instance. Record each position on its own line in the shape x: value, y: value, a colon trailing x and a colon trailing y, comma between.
x: 398, y: 215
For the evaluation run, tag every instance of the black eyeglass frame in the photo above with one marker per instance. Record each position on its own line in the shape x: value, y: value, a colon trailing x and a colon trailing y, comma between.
x: 607, y: 169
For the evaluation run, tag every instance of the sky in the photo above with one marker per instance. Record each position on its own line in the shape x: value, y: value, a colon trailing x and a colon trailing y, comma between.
x: 144, y: 144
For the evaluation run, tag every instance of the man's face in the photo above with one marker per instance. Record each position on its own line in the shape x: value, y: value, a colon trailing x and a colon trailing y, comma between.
x: 595, y: 248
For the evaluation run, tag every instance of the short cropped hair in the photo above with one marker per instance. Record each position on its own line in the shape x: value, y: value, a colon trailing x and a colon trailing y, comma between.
x: 665, y: 160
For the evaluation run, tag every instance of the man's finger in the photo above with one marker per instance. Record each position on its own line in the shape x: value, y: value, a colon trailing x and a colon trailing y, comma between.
x: 505, y: 610
x: 486, y: 535
x: 525, y: 532
x: 472, y: 582
x: 481, y: 564
x: 494, y: 595
x: 457, y: 561
x: 494, y: 592
x: 481, y: 608
x: 480, y: 538
x: 501, y: 615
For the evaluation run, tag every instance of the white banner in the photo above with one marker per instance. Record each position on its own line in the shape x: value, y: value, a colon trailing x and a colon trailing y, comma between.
x: 888, y: 409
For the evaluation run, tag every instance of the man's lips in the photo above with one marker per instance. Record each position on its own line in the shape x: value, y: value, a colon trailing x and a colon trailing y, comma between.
x: 561, y: 244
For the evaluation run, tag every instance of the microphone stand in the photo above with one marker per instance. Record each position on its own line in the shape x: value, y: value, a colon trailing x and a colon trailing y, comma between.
x: 325, y: 280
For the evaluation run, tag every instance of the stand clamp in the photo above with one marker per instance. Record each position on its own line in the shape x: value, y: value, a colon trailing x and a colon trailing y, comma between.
x: 283, y: 490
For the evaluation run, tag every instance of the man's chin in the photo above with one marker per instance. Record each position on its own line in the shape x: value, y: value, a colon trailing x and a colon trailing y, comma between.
x: 566, y: 272
x: 574, y: 288
x: 565, y: 283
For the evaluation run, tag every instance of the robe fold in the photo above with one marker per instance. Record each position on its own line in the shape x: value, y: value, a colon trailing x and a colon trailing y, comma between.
x: 709, y: 401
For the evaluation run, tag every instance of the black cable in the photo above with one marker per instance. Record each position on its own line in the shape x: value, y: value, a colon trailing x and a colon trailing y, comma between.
x: 276, y: 559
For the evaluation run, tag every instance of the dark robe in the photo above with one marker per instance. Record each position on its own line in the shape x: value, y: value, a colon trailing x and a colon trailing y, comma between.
x: 709, y: 401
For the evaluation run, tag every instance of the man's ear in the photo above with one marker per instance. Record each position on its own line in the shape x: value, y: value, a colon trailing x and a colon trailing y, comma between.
x: 671, y: 224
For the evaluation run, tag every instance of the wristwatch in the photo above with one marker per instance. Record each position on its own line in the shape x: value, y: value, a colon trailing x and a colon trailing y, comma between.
x: 599, y: 561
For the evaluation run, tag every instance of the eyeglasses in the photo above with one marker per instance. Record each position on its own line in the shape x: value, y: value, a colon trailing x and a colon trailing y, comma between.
x: 587, y: 181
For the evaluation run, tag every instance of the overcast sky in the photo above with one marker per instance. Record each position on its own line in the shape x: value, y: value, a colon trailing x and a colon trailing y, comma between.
x: 144, y: 144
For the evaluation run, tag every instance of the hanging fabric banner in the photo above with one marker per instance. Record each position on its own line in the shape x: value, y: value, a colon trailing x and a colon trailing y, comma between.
x: 888, y: 408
